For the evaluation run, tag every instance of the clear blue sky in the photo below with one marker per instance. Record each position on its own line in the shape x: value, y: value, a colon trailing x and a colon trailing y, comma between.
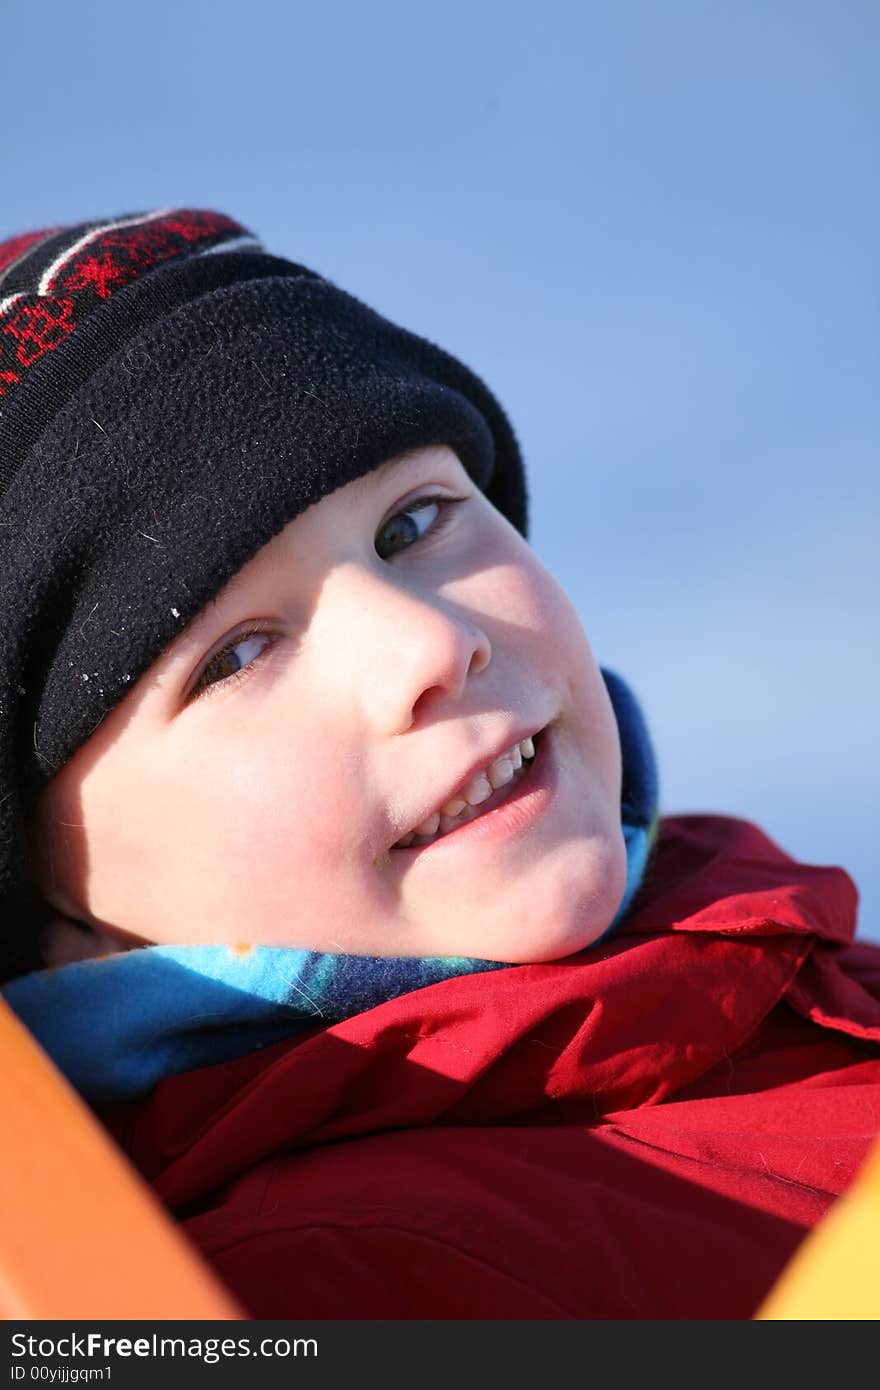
x: 653, y: 228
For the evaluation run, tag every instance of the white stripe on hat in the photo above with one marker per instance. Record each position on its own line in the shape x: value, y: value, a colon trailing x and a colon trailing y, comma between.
x: 238, y: 243
x: 10, y: 300
x: 48, y: 275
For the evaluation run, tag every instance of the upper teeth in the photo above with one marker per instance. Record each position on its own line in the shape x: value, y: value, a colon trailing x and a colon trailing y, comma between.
x: 479, y: 789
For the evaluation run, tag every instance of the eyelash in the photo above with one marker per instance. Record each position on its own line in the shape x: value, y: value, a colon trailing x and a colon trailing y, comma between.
x: 446, y: 506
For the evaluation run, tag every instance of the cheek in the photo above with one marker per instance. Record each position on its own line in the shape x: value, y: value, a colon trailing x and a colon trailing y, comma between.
x: 544, y: 629
x: 273, y: 823
x: 537, y: 615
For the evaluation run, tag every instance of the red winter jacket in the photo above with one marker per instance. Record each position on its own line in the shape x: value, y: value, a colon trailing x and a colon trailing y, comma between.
x: 646, y: 1131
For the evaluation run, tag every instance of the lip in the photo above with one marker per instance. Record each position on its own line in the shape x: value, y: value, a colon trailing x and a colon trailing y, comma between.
x: 478, y: 766
x: 530, y: 798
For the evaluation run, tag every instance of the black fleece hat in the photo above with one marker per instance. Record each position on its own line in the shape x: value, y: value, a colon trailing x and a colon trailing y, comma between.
x: 171, y: 396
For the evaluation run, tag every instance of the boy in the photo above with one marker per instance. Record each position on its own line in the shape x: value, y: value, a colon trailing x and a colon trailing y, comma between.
x: 330, y: 828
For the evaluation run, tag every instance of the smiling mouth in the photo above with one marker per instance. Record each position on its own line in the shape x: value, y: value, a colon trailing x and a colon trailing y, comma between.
x: 449, y: 825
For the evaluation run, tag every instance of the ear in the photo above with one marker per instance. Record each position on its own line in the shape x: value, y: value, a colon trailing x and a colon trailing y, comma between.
x: 63, y: 940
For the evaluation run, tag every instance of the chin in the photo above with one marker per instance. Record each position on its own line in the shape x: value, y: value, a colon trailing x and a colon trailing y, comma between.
x: 574, y: 915
x: 559, y: 947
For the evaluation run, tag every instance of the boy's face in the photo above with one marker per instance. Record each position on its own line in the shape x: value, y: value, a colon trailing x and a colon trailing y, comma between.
x: 398, y: 652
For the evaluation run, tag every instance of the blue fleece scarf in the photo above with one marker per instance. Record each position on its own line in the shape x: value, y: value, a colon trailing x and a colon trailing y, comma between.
x: 118, y: 1024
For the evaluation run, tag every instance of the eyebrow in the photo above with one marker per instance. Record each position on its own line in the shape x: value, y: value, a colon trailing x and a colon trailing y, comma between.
x: 232, y: 586
x: 228, y: 590
x: 391, y: 467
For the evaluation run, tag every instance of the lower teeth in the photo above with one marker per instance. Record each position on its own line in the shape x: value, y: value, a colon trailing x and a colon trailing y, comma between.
x: 465, y: 816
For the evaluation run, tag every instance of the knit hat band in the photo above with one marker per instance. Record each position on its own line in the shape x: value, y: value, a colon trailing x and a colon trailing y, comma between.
x: 62, y: 314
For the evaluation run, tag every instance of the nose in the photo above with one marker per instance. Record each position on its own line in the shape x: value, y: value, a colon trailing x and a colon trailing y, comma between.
x: 406, y: 651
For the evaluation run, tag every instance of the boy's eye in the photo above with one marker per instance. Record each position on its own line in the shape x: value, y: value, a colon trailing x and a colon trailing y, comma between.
x: 401, y: 531
x: 232, y: 661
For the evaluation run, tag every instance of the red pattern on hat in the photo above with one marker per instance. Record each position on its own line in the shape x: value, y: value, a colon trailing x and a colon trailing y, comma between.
x: 94, y: 266
x: 119, y: 254
x: 39, y: 328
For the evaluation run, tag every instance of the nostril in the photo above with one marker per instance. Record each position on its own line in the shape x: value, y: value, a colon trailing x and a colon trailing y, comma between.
x: 481, y: 657
x: 422, y: 707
